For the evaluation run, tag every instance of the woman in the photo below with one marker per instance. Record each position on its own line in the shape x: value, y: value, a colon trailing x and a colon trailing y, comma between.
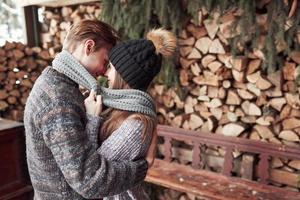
x: 126, y: 135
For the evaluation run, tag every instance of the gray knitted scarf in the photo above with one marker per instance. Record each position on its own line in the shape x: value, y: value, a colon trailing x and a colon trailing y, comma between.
x: 123, y: 99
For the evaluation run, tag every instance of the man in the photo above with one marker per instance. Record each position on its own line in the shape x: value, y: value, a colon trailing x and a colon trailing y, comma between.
x: 62, y: 162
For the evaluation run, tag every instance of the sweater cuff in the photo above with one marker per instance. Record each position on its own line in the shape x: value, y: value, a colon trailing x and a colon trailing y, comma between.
x: 142, y: 168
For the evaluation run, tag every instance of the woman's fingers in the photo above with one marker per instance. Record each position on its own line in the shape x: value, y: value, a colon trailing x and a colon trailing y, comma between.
x: 98, y: 104
x: 92, y: 94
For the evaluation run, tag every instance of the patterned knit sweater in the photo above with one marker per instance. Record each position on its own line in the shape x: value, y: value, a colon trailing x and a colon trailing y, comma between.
x: 127, y: 143
x: 63, y: 162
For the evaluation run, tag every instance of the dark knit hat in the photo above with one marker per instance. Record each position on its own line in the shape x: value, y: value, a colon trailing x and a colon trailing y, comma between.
x: 139, y: 61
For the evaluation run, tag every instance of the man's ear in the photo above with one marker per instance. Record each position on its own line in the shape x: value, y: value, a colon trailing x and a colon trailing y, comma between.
x: 89, y: 46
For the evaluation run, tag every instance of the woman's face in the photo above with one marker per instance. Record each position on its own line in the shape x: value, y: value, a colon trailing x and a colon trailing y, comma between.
x: 110, y: 74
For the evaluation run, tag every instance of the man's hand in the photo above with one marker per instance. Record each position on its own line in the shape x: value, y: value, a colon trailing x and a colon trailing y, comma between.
x: 93, y: 104
x: 152, y: 149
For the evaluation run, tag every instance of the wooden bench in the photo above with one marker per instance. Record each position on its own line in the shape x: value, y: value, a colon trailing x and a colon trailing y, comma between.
x: 14, y: 178
x: 222, y: 186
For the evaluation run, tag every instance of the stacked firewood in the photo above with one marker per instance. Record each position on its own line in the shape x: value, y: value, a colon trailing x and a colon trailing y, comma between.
x: 19, y: 68
x: 56, y: 22
x: 232, y: 95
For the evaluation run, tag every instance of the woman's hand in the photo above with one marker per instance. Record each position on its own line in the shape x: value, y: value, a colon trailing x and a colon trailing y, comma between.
x: 93, y: 104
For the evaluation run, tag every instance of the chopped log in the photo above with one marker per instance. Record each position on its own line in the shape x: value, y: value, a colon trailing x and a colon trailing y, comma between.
x: 216, y: 47
x: 211, y: 27
x: 185, y: 50
x: 239, y: 63
x: 222, y: 93
x: 185, y: 64
x: 253, y: 66
x: 275, y: 92
x: 3, y: 94
x: 293, y: 100
x: 295, y: 113
x: 233, y: 129
x: 15, y: 93
x: 238, y: 76
x: 12, y: 100
x: 232, y: 117
x: 261, y: 100
x: 212, y: 92
x: 289, y: 71
x: 203, y: 90
x: 291, y: 123
x: 239, y: 112
x: 244, y: 94
x: 263, y: 84
x: 289, y: 86
x: 208, y: 79
x: 251, y: 109
x: 190, y: 102
x: 203, y: 44
x: 214, y: 103
x: 206, y: 60
x: 178, y: 102
x: 196, y: 31
x: 233, y: 98
x: 216, y: 112
x: 184, y: 77
x: 276, y: 163
x: 295, y: 56
x: 253, y: 78
x: 278, y: 103
x: 226, y: 84
x: 195, y: 69
x: 276, y: 79
x: 252, y: 88
x: 195, y: 121
x: 295, y: 164
x: 194, y: 54
x: 285, y: 112
x: 214, y: 66
x: 3, y: 105
x: 263, y: 121
x: 263, y: 131
x: 254, y: 135
x: 186, y: 42
x: 203, y: 98
x: 18, y: 54
x: 289, y: 136
x: 283, y: 177
x: 226, y: 29
x: 195, y: 91
x: 26, y: 83
x: 248, y: 119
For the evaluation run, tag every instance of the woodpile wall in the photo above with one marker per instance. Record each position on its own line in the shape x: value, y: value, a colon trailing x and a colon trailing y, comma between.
x: 19, y: 68
x: 56, y: 22
x: 232, y: 95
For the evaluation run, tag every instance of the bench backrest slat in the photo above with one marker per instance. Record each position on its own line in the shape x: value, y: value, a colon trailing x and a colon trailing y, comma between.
x: 231, y: 144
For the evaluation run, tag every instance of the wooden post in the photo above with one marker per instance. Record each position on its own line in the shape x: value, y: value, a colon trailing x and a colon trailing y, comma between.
x: 32, y: 26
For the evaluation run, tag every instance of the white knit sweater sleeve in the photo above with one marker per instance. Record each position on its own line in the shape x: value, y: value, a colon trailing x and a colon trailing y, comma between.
x: 126, y: 143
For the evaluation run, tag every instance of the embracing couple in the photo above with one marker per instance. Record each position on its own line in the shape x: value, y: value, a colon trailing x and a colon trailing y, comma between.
x: 100, y: 146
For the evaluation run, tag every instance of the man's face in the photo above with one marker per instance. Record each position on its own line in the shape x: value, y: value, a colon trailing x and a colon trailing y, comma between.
x: 111, y: 74
x: 97, y: 61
